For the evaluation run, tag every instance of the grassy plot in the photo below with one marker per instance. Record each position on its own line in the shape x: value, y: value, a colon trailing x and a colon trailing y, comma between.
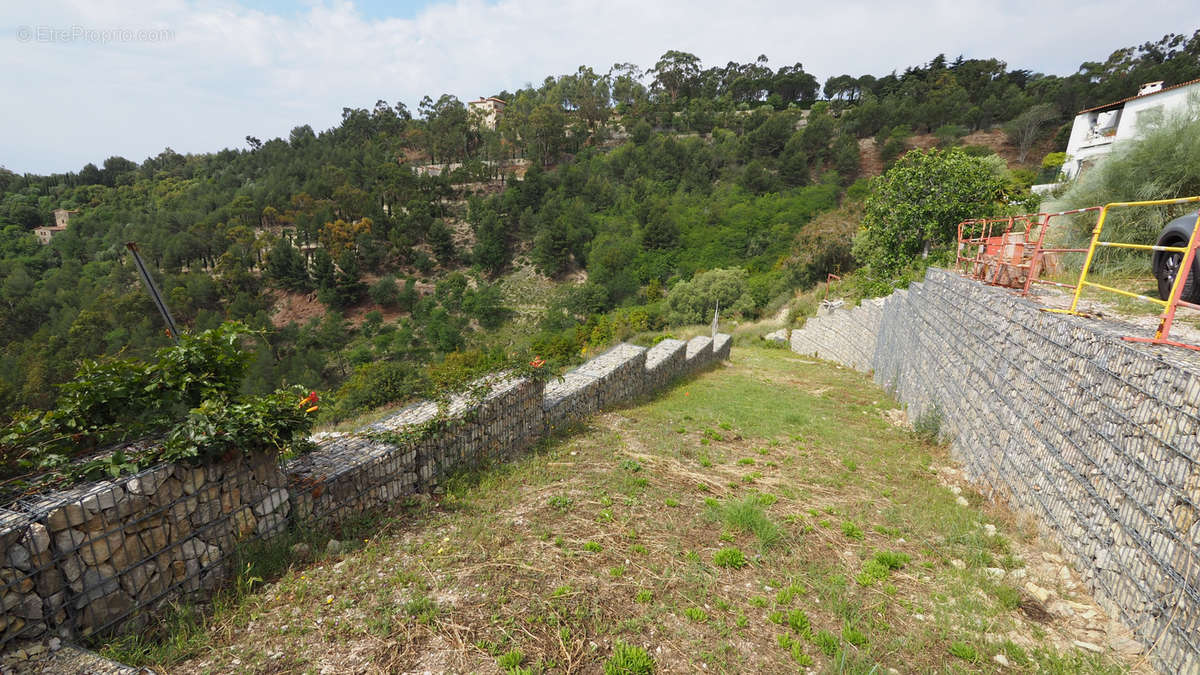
x: 765, y: 517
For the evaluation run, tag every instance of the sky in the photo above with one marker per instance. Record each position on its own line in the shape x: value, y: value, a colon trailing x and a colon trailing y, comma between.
x: 83, y: 80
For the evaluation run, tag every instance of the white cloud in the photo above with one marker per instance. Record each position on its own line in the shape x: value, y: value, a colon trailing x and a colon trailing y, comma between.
x: 229, y: 71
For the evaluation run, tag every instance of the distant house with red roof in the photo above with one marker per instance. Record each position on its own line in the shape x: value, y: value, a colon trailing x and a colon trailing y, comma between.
x: 62, y: 218
x: 1097, y: 130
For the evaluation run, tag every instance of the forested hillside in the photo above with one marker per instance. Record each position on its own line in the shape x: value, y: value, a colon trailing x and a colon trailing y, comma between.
x: 645, y: 196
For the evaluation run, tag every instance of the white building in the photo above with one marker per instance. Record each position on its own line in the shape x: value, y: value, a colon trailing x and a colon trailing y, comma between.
x: 486, y: 111
x: 1096, y: 130
x: 62, y: 218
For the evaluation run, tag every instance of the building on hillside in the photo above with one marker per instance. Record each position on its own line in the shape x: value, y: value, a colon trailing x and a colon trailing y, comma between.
x: 1096, y: 130
x: 486, y: 111
x: 62, y: 218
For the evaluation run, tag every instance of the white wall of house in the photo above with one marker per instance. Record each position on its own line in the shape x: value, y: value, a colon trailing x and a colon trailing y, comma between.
x: 1094, y: 133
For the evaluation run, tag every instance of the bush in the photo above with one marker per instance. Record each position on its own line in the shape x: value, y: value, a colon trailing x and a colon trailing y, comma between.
x: 385, y: 292
x: 188, y: 392
x: 919, y: 202
x: 376, y: 384
x: 692, y: 302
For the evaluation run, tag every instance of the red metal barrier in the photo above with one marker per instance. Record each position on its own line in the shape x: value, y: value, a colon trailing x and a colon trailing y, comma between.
x: 1010, y: 251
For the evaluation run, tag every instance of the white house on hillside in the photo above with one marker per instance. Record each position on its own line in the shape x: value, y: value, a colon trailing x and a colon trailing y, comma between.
x: 1096, y: 130
x: 486, y: 110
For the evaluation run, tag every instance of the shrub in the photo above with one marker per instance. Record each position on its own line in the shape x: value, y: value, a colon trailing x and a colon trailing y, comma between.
x: 692, y: 302
x: 188, y: 392
x: 904, y: 216
x: 1164, y: 163
x: 385, y: 292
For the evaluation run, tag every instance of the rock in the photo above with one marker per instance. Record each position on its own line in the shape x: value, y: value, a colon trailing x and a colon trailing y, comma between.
x: 183, y: 508
x: 334, y: 547
x: 100, y: 549
x: 30, y: 608
x: 1089, y: 646
x: 18, y: 557
x: 1060, y: 609
x: 961, y: 501
x: 1001, y: 660
x: 273, y: 500
x: 780, y: 336
x: 994, y: 572
x: 1040, y: 594
x: 191, y: 479
x: 54, y: 644
x: 1126, y: 646
x: 958, y: 564
x: 105, y: 496
x: 990, y: 530
x: 71, y: 567
x: 301, y: 551
x: 154, y: 539
x: 68, y: 515
x: 244, y: 522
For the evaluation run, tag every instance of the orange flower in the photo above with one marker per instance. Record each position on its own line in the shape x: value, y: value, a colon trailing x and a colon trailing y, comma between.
x: 537, y: 362
x: 309, y: 400
x: 312, y: 409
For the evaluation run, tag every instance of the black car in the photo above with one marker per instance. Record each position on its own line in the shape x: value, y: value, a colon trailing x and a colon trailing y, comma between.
x: 1166, y: 263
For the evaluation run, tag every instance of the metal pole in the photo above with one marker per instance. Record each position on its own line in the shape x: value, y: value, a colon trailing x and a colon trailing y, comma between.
x: 153, y: 291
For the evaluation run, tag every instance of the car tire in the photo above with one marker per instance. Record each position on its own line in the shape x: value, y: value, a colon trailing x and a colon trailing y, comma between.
x: 1166, y: 267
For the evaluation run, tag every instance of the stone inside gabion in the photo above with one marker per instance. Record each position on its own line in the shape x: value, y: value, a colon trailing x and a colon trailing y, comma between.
x: 1097, y: 437
x: 105, y: 556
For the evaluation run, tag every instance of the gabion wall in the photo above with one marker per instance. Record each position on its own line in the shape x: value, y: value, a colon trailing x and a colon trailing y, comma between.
x: 1097, y: 437
x: 81, y: 562
x: 105, y: 556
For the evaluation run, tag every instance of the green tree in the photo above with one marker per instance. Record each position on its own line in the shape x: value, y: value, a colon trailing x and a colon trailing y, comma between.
x: 692, y: 302
x: 1027, y: 128
x: 919, y: 202
x: 676, y: 73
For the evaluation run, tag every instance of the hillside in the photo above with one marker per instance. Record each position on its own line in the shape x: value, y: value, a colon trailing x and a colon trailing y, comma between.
x: 726, y: 527
x: 387, y: 242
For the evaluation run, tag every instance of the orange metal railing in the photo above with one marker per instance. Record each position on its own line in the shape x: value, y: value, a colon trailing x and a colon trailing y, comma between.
x: 1011, y: 252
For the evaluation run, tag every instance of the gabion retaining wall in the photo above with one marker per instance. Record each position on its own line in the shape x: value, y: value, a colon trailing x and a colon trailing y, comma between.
x: 1097, y: 437
x: 80, y: 562
x: 105, y: 556
x: 846, y: 336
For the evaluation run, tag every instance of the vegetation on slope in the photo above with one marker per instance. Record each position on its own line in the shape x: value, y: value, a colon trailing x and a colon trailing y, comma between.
x: 637, y: 184
x: 730, y: 525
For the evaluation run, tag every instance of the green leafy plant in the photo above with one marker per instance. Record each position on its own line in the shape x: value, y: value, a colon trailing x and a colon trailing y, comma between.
x: 827, y: 642
x: 187, y: 393
x: 629, y: 659
x: 852, y: 531
x: 963, y: 651
x: 729, y: 557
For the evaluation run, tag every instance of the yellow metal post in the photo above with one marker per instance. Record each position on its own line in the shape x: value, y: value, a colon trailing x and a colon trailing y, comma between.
x: 1087, y: 263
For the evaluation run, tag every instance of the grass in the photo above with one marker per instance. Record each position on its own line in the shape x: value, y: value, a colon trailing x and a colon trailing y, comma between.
x: 689, y: 568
